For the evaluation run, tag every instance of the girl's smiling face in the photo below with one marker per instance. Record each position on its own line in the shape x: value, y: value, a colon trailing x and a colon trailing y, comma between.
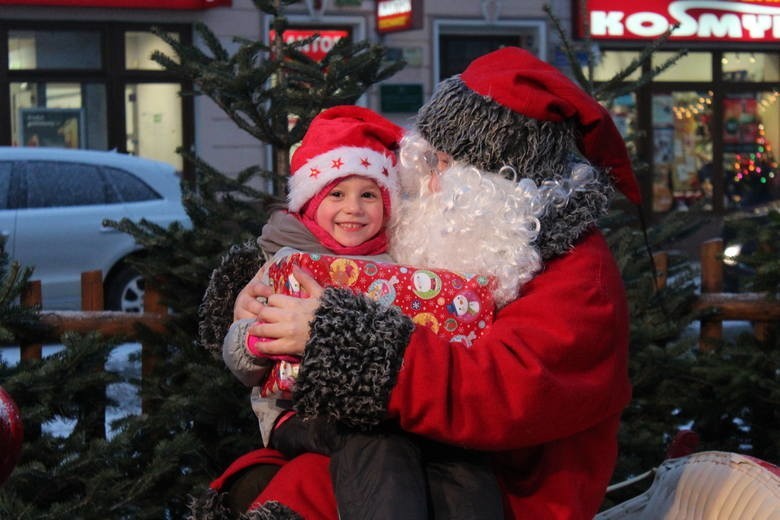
x: 353, y: 211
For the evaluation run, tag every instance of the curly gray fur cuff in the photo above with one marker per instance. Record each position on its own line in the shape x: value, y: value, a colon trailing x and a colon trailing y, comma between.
x: 209, y: 506
x: 212, y: 506
x: 271, y: 510
x: 352, y: 359
x: 215, y: 313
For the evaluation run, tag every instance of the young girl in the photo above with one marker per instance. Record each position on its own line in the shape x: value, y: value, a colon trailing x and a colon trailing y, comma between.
x: 343, y: 187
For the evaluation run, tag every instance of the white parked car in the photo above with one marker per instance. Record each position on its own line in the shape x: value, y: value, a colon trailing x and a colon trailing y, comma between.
x: 52, y: 205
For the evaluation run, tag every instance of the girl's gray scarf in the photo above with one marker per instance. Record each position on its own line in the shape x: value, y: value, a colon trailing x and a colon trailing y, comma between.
x: 284, y: 230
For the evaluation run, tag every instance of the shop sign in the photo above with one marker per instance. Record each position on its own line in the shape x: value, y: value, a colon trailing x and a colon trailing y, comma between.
x: 699, y: 20
x: 321, y: 46
x: 126, y: 4
x: 398, y: 15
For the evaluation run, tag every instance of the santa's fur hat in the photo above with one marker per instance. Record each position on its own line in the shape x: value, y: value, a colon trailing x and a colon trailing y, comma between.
x: 486, y: 115
x: 340, y: 142
x: 512, y: 113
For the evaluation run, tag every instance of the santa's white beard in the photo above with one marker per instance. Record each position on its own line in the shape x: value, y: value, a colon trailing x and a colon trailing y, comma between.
x: 478, y: 223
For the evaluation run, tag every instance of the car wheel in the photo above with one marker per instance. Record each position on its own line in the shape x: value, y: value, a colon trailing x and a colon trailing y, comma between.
x: 125, y: 291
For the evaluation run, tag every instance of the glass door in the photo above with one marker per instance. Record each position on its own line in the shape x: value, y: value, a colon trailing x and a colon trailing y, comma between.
x: 682, y: 150
x: 153, y: 119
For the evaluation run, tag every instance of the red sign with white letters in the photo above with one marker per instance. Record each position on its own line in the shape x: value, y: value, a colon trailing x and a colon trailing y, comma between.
x: 317, y: 49
x: 398, y: 15
x: 756, y: 21
x: 125, y: 4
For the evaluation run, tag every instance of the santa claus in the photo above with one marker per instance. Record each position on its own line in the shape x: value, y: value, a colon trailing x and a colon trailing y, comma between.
x: 506, y: 173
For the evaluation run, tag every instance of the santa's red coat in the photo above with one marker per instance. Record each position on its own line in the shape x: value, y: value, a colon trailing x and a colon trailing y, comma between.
x: 543, y: 390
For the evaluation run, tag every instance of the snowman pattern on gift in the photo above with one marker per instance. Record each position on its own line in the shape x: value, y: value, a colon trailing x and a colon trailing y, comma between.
x: 466, y: 339
x: 465, y: 306
x: 426, y: 284
x: 383, y: 291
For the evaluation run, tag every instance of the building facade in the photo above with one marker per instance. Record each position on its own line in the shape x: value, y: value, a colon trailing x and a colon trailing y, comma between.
x: 78, y: 73
x: 707, y: 125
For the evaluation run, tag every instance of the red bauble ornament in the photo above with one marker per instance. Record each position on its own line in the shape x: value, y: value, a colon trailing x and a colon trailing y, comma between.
x: 11, y: 434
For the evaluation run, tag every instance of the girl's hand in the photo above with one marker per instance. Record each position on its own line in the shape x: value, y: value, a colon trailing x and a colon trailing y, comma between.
x: 286, y: 319
x: 247, y: 305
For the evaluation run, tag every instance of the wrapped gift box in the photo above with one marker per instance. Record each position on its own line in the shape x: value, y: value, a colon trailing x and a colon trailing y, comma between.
x: 458, y: 307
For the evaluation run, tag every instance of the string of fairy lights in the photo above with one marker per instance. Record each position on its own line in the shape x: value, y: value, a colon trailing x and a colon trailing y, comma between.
x: 694, y: 108
x: 757, y: 165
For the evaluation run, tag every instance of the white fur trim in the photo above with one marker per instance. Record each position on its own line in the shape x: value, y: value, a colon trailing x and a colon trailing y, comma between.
x: 323, y: 169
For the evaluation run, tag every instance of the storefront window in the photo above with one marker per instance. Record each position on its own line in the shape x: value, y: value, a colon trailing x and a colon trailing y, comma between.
x: 139, y: 47
x: 153, y: 121
x: 609, y: 63
x: 682, y: 150
x: 751, y: 130
x: 28, y: 50
x: 623, y: 111
x: 89, y: 86
x: 750, y: 66
x: 694, y: 66
x: 62, y: 115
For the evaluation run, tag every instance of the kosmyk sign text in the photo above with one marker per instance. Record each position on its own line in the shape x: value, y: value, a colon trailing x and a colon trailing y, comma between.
x: 699, y: 20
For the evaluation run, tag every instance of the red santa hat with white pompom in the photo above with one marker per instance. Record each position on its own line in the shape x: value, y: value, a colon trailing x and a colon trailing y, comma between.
x: 340, y: 142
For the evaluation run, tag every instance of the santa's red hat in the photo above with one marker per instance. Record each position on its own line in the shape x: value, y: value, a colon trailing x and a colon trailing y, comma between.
x: 340, y: 142
x: 511, y: 80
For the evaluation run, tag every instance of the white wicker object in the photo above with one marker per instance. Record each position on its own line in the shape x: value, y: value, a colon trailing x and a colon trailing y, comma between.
x: 710, y: 485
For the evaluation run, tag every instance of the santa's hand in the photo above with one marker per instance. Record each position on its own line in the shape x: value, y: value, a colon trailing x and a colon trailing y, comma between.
x: 286, y: 319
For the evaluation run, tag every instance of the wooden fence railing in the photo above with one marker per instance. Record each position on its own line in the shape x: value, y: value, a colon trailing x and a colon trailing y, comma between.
x: 92, y: 318
x: 756, y: 308
x: 752, y: 307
